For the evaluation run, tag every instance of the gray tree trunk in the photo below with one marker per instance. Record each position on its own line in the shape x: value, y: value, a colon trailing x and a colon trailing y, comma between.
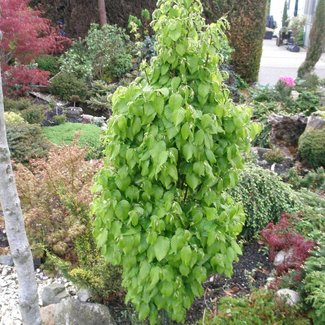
x: 102, y: 12
x: 15, y: 229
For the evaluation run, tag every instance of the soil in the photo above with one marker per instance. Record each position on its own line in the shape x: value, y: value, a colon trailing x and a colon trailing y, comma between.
x: 251, y: 271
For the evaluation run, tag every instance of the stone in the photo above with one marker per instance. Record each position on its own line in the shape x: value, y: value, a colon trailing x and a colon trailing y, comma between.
x: 6, y: 260
x: 72, y: 311
x: 73, y: 113
x: 53, y: 294
x: 315, y: 122
x: 282, y: 256
x: 47, y: 315
x: 287, y: 296
x: 83, y: 295
x: 285, y: 132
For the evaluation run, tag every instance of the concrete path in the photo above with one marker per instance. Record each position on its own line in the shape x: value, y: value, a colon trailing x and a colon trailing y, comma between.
x: 278, y: 61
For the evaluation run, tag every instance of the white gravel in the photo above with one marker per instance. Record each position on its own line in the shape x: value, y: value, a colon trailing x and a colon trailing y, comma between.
x: 9, y: 306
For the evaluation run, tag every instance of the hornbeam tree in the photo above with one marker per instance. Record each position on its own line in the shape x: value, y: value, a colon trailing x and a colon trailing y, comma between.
x: 15, y: 229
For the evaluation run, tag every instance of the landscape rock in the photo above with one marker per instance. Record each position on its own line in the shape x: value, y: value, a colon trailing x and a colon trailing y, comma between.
x: 53, y: 294
x: 285, y: 132
x: 73, y: 114
x: 6, y: 260
x: 72, y: 311
x: 47, y: 315
x: 83, y: 295
x: 288, y: 296
x: 315, y: 122
x: 282, y: 256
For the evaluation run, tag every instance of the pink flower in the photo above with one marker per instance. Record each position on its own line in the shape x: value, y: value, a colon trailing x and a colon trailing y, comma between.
x: 287, y: 81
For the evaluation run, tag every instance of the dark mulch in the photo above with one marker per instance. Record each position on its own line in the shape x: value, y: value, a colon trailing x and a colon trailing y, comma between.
x: 251, y: 271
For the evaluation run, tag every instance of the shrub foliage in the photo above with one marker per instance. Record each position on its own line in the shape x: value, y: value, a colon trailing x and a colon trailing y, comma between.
x: 264, y: 197
x: 311, y: 147
x: 174, y: 144
x: 26, y: 141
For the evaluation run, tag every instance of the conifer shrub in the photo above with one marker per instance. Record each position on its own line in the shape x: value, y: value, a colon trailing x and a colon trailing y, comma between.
x: 26, y: 142
x: 264, y: 197
x: 65, y: 85
x: 174, y: 144
x: 311, y: 147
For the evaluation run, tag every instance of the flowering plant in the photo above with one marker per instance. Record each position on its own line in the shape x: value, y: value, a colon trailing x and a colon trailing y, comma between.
x: 287, y: 81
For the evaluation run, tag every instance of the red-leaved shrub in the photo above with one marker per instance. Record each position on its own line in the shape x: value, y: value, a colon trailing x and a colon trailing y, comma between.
x: 26, y: 34
x: 282, y: 236
x: 19, y: 80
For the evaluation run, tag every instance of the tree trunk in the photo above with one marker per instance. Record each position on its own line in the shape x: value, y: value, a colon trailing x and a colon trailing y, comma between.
x: 15, y: 229
x: 102, y: 12
x: 316, y: 41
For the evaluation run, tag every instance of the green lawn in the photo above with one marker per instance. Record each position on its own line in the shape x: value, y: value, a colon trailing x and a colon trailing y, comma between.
x: 89, y: 135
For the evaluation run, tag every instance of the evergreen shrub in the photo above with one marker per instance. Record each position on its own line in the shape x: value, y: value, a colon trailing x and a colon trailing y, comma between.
x: 264, y: 197
x: 312, y: 147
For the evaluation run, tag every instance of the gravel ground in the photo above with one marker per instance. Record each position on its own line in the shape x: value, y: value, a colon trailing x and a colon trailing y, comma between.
x: 9, y: 308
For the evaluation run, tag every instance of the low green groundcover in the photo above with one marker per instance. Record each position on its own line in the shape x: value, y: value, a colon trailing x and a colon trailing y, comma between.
x: 89, y: 135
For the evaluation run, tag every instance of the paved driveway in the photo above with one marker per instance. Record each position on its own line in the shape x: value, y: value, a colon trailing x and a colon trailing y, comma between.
x: 277, y: 62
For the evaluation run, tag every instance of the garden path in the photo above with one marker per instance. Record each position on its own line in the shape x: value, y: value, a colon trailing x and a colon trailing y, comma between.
x: 277, y: 61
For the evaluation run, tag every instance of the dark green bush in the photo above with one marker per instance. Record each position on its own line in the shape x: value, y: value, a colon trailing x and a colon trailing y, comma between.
x: 307, y: 102
x: 64, y: 85
x: 312, y: 147
x: 48, y: 63
x: 264, y: 197
x: 26, y: 141
x: 28, y: 110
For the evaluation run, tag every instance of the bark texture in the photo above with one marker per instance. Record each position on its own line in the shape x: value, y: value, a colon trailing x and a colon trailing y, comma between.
x: 102, y: 12
x: 316, y: 41
x: 15, y: 229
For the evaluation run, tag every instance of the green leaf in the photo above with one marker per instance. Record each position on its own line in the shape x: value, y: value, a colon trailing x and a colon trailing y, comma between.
x: 175, y: 34
x: 203, y: 90
x: 161, y: 247
x: 186, y: 255
x: 192, y: 181
x: 158, y: 104
x: 122, y: 210
x: 178, y: 116
x: 175, y: 83
x: 175, y: 101
x: 185, y: 131
x: 188, y: 151
x: 180, y: 49
x: 102, y: 238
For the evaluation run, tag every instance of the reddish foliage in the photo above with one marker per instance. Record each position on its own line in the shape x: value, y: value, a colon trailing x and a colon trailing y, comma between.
x: 19, y: 80
x: 282, y: 236
x: 25, y: 33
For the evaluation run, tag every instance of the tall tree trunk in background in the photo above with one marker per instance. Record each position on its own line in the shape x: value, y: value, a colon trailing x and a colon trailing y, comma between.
x: 295, y: 13
x: 15, y: 229
x: 316, y: 41
x: 102, y: 12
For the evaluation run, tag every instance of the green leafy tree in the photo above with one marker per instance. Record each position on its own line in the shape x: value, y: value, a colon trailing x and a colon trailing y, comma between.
x: 174, y: 144
x: 316, y: 41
